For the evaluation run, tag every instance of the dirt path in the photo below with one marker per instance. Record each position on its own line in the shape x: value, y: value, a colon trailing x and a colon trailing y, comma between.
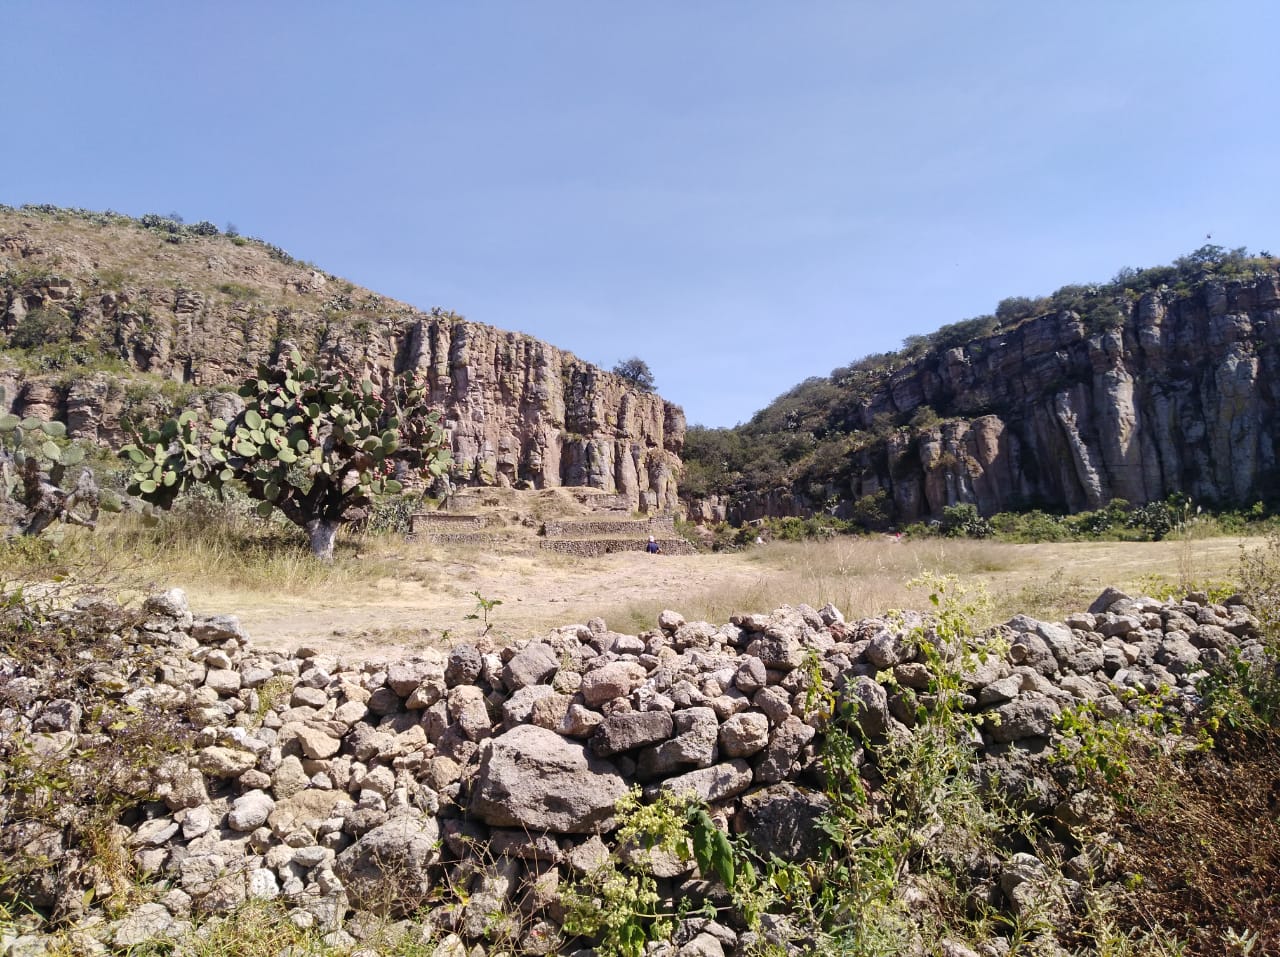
x: 427, y: 603
x: 534, y: 594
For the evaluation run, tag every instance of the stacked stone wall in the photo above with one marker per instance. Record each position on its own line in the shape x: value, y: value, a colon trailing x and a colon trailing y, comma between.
x: 595, y: 547
x: 338, y: 786
x: 584, y: 528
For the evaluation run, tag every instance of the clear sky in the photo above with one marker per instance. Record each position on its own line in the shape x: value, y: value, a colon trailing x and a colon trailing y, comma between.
x: 744, y: 194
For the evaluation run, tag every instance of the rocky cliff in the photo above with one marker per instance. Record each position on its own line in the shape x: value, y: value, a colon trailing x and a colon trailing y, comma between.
x: 108, y: 321
x: 1176, y: 391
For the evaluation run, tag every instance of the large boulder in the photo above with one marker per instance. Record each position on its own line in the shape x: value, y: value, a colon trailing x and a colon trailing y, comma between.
x: 532, y: 778
x: 389, y: 869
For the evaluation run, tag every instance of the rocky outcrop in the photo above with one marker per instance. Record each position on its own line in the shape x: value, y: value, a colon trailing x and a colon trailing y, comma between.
x: 519, y: 412
x: 340, y: 787
x: 1178, y: 393
x: 1179, y: 398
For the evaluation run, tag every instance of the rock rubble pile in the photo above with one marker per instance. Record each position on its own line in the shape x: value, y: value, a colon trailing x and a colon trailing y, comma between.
x: 341, y: 787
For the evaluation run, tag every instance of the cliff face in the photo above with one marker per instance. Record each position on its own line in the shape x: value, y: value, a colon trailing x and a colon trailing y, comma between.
x: 125, y: 323
x: 1181, y: 393
x: 1182, y: 397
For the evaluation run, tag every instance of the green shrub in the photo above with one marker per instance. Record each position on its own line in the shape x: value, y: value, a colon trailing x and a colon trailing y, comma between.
x: 42, y: 327
x: 963, y: 521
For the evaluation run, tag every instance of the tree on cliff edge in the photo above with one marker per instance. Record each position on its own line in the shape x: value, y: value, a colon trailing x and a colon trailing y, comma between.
x: 315, y: 444
x: 637, y: 372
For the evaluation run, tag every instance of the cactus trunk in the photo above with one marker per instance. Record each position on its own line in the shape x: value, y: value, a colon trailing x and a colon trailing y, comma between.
x: 322, y: 532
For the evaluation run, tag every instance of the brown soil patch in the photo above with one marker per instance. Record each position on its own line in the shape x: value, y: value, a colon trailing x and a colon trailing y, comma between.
x: 426, y: 600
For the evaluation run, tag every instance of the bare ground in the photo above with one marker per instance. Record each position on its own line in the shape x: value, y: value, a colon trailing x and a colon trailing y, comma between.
x: 427, y: 600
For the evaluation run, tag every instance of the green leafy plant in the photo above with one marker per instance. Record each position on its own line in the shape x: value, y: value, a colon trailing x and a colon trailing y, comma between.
x: 484, y: 608
x: 316, y: 445
x: 35, y: 459
x: 618, y: 904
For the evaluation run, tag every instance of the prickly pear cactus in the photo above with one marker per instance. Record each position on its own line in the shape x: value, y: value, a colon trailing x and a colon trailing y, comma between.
x: 35, y: 457
x: 317, y: 445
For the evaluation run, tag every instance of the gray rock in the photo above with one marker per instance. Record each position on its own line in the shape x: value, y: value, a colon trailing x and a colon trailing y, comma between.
x: 530, y: 666
x: 579, y: 722
x: 1027, y: 716
x: 218, y: 629
x: 774, y: 703
x: 703, y: 945
x: 744, y: 734
x: 751, y: 676
x: 468, y: 708
x: 873, y: 705
x: 250, y: 811
x: 1108, y: 598
x: 610, y: 681
x: 1005, y: 689
x: 780, y: 650
x: 1178, y: 654
x: 389, y: 869
x: 622, y: 732
x: 405, y: 676
x: 263, y: 885
x: 697, y: 731
x: 589, y: 856
x: 533, y: 778
x: 465, y: 664
x: 315, y: 744
x: 219, y: 762
x: 518, y: 709
x: 784, y: 747
x: 885, y: 649
x: 304, y: 696
x: 783, y: 820
x: 170, y: 604
x: 60, y: 714
x: 154, y: 833
x: 669, y: 620
x: 712, y: 784
x: 1033, y: 651
x: 225, y: 682
x: 146, y: 922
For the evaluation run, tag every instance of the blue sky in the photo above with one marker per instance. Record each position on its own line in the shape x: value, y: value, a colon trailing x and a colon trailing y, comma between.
x: 742, y: 193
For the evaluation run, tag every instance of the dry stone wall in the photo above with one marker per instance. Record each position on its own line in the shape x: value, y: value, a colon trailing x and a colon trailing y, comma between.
x: 595, y: 547
x: 569, y: 528
x: 337, y: 786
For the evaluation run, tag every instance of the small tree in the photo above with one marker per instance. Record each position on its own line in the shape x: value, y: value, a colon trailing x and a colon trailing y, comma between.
x: 315, y: 444
x: 637, y: 372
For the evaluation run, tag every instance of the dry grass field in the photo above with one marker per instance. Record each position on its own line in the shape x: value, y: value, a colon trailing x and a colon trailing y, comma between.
x: 386, y: 594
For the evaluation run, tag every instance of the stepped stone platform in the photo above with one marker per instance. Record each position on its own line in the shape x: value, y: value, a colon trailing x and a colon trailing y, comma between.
x: 444, y: 523
x: 582, y: 522
x: 589, y: 538
x: 594, y: 547
x: 658, y: 526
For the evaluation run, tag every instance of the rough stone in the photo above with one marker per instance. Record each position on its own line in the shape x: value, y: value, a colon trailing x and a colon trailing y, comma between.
x: 389, y: 868
x: 622, y: 732
x: 533, y: 778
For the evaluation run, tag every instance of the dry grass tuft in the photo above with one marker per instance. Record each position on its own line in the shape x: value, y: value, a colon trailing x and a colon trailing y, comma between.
x: 860, y: 576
